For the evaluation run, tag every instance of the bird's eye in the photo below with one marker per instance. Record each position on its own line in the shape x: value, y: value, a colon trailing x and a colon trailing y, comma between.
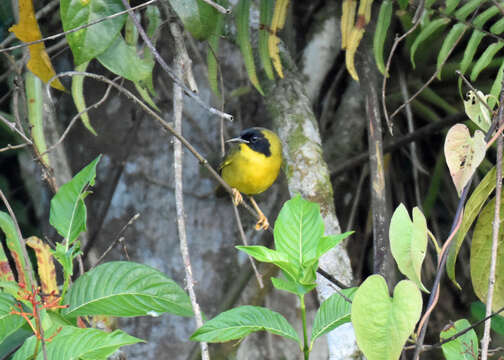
x: 254, y: 139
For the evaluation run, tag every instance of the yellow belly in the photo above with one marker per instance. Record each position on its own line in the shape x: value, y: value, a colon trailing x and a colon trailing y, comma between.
x: 251, y: 172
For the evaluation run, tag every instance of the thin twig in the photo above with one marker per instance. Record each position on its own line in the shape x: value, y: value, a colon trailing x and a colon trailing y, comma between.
x: 485, y: 341
x: 245, y: 242
x: 475, y: 91
x: 169, y: 71
x: 13, y: 147
x: 178, y: 100
x: 118, y: 238
x: 218, y: 7
x: 13, y: 127
x: 64, y: 33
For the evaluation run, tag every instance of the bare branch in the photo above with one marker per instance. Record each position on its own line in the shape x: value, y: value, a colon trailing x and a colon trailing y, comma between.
x: 218, y: 7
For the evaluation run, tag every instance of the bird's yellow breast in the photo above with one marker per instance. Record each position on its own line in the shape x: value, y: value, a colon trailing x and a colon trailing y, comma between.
x: 252, y: 172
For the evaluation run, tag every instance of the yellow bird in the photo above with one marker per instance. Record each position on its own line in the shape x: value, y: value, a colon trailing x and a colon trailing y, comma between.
x: 252, y: 166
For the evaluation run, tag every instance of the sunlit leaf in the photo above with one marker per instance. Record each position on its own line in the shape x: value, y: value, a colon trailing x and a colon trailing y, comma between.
x: 277, y: 24
x: 449, y: 42
x: 28, y: 30
x: 481, y: 249
x: 465, y: 347
x: 485, y: 59
x: 383, y: 324
x: 463, y: 154
x: 477, y: 111
x: 408, y: 242
x: 349, y: 8
x: 35, y: 104
x: 470, y: 50
x: 467, y: 9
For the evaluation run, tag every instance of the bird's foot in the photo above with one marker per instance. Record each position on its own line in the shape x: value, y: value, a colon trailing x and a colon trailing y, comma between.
x: 237, y: 197
x: 263, y: 223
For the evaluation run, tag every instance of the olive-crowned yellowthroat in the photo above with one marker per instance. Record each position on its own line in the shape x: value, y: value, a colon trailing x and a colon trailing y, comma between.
x: 252, y: 166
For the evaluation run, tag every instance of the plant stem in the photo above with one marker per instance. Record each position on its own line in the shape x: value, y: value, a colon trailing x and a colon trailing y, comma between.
x: 306, y: 349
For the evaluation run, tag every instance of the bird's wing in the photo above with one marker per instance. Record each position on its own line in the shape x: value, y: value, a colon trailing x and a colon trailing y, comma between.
x: 229, y: 157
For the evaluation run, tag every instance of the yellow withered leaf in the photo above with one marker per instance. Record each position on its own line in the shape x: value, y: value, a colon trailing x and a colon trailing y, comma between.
x: 353, y: 43
x: 347, y: 20
x: 277, y: 23
x: 28, y: 30
x: 46, y: 269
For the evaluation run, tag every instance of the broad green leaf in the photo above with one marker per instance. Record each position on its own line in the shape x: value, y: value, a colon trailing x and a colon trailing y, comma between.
x: 298, y: 228
x: 465, y: 347
x: 485, y: 59
x: 450, y: 6
x: 448, y: 43
x: 498, y: 27
x: 198, y: 17
x: 425, y: 34
x: 333, y: 312
x: 496, y: 86
x: 326, y: 243
x: 8, y: 323
x: 241, y: 321
x: 122, y: 288
x: 265, y: 17
x: 243, y: 39
x: 263, y: 254
x: 292, y: 286
x: 78, y: 96
x: 91, y: 41
x: 472, y: 208
x: 467, y: 9
x: 122, y: 59
x: 14, y: 246
x: 477, y: 111
x: 76, y: 343
x: 463, y: 154
x: 478, y: 311
x: 382, y: 26
x: 68, y: 212
x: 383, y: 324
x: 481, y: 248
x: 35, y: 104
x: 408, y: 242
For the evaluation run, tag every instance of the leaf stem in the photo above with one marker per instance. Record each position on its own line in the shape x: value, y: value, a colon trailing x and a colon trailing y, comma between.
x: 306, y: 349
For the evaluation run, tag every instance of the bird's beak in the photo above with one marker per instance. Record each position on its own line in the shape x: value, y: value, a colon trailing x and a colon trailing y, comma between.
x: 237, y: 140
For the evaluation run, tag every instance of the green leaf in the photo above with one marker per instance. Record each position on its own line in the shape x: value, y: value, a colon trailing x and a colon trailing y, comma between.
x: 496, y: 86
x: 408, y: 242
x: 241, y: 321
x: 450, y: 6
x: 8, y: 323
x: 243, y: 39
x: 35, y: 104
x: 382, y: 26
x: 481, y: 248
x: 78, y: 96
x: 68, y: 212
x: 76, y: 343
x: 476, y: 109
x: 448, y: 44
x: 463, y: 154
x: 298, y: 229
x: 478, y: 311
x: 122, y: 59
x: 467, y: 9
x: 212, y: 55
x: 292, y: 286
x: 425, y: 34
x: 472, y: 208
x: 198, y: 17
x: 498, y: 27
x: 14, y: 245
x: 266, y: 8
x: 480, y: 20
x: 263, y: 254
x: 326, y: 243
x: 485, y: 59
x: 383, y: 324
x: 91, y: 41
x: 333, y: 312
x: 122, y: 288
x: 465, y: 347
x: 470, y: 50
x: 403, y: 4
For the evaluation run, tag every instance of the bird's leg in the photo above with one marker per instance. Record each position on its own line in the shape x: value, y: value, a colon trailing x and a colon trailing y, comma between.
x: 237, y: 197
x: 263, y: 223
